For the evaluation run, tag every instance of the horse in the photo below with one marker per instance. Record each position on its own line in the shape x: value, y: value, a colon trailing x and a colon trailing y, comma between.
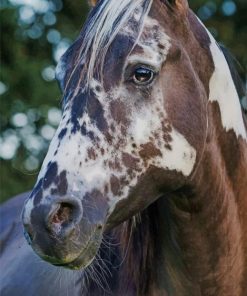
x: 143, y: 189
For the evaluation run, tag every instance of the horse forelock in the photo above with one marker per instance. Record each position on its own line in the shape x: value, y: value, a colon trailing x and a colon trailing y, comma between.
x: 102, y: 26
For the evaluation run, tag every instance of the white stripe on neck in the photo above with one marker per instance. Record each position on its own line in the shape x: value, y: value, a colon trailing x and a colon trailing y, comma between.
x: 223, y: 91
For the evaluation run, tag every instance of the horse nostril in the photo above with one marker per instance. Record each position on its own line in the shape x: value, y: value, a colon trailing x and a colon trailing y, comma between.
x: 63, y: 217
x: 63, y: 214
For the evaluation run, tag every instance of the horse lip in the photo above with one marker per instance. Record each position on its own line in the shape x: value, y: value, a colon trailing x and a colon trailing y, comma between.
x: 92, y: 245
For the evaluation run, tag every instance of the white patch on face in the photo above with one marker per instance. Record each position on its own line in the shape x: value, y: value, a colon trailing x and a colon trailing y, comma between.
x: 93, y: 174
x: 181, y: 158
x: 147, y: 127
x: 73, y: 150
x: 143, y: 126
x: 223, y: 91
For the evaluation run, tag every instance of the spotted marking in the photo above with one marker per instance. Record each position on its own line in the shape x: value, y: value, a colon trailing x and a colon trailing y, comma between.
x: 154, y: 44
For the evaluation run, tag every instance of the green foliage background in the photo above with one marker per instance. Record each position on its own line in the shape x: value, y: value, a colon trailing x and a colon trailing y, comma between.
x: 34, y: 33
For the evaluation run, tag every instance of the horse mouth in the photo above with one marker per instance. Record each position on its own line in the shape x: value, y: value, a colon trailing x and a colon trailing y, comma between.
x: 86, y: 256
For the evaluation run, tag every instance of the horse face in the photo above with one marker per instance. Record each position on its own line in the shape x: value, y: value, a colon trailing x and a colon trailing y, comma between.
x: 134, y: 133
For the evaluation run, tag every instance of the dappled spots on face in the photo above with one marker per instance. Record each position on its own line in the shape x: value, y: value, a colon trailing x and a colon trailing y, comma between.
x: 37, y: 193
x: 96, y: 112
x: 83, y: 129
x: 91, y: 153
x: 149, y: 150
x: 112, y: 128
x: 119, y: 111
x: 167, y: 130
x: 102, y: 151
x: 77, y: 110
x: 115, y: 165
x: 168, y: 146
x: 153, y: 44
x: 75, y: 107
x: 130, y: 161
x: 61, y: 184
x: 109, y: 138
x: 37, y: 197
x: 166, y: 126
x: 53, y: 178
x: 62, y: 133
x: 115, y: 185
x: 50, y: 175
x: 167, y: 138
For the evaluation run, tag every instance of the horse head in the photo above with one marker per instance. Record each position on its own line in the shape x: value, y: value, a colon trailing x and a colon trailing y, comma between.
x: 136, y: 85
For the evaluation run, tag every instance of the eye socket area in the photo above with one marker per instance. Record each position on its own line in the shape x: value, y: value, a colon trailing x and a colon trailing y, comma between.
x: 142, y: 75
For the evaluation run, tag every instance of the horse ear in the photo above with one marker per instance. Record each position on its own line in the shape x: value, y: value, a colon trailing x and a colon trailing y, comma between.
x: 92, y: 3
x: 181, y: 5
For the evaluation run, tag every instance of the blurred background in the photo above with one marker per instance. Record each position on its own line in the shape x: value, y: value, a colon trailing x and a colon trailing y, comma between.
x: 34, y: 34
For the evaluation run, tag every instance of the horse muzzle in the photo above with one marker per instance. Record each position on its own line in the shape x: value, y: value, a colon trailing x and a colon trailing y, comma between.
x: 60, y: 232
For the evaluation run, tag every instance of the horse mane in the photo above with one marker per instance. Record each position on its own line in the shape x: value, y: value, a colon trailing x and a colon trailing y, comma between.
x: 237, y: 73
x: 137, y: 238
x: 140, y: 238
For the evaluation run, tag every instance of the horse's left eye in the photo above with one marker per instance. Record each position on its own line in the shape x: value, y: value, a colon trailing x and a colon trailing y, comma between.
x: 143, y: 76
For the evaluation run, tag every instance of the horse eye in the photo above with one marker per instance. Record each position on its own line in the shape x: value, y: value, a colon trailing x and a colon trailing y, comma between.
x: 143, y: 76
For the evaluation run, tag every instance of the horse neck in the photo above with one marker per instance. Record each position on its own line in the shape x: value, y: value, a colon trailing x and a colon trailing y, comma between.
x: 209, y: 221
x: 194, y: 241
